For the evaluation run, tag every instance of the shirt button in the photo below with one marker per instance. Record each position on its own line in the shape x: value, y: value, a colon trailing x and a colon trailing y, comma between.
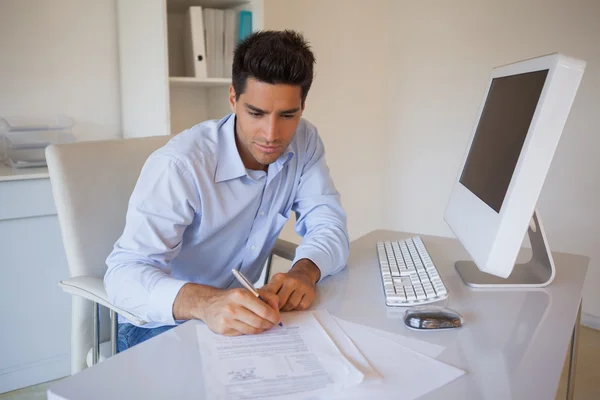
x: 253, y: 247
x: 261, y: 213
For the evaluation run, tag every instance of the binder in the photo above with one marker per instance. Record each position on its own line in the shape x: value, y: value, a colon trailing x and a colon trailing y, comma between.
x: 193, y: 43
x: 219, y: 59
x: 209, y: 15
x: 230, y: 40
x: 245, y: 24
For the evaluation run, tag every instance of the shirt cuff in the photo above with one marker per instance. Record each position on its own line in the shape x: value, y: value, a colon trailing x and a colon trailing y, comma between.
x: 321, y: 260
x: 162, y: 298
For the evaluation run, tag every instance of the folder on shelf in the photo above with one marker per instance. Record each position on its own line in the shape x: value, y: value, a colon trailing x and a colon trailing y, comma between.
x: 230, y: 40
x: 219, y: 60
x: 193, y: 43
x: 211, y: 34
x: 245, y: 28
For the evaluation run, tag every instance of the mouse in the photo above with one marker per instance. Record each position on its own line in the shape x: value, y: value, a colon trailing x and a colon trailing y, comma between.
x: 432, y: 317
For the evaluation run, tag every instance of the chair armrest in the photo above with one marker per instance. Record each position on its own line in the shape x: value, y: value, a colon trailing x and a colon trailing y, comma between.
x: 284, y: 249
x: 92, y: 288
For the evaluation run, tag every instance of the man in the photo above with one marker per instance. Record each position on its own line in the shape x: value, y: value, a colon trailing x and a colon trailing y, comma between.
x: 216, y: 197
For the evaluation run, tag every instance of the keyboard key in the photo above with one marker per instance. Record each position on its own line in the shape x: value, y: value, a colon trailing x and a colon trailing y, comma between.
x: 408, y: 273
x: 395, y: 298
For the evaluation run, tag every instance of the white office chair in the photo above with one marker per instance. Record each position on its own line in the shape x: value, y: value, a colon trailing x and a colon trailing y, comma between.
x: 91, y: 184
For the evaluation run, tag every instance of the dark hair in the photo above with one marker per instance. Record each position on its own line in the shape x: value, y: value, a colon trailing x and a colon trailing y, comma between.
x: 273, y: 57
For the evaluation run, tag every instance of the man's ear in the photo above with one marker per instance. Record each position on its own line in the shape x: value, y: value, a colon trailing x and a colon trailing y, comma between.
x: 232, y: 101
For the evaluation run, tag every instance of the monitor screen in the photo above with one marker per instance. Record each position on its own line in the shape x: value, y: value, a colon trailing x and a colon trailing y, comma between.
x: 500, y: 134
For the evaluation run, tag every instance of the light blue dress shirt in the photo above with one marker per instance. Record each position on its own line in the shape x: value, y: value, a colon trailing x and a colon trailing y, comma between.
x: 196, y: 212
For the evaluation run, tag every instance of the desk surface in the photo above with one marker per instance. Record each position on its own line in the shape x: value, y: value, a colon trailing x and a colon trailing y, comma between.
x: 10, y: 174
x: 513, y: 344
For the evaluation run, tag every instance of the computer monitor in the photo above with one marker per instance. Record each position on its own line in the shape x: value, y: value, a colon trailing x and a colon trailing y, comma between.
x: 493, y: 202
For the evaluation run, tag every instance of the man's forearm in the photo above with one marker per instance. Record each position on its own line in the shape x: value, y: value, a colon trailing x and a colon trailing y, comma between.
x: 191, y: 301
x: 308, y: 268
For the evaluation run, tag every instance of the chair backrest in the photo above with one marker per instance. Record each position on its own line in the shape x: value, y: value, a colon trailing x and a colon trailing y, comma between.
x: 92, y: 183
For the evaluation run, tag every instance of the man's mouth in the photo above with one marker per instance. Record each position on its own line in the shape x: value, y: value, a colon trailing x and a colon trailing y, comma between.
x: 268, y: 149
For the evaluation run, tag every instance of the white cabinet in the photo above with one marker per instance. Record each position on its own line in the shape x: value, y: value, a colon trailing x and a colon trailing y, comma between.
x: 156, y: 97
x: 35, y: 314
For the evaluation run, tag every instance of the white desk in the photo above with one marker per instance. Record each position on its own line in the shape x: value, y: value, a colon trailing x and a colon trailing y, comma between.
x: 512, y: 345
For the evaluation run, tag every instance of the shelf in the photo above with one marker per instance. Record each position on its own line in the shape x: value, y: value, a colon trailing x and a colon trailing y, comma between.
x: 183, y: 5
x: 185, y: 81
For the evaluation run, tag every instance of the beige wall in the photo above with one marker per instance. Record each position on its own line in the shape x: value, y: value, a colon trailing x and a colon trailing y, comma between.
x: 345, y: 102
x: 60, y: 56
x: 397, y: 90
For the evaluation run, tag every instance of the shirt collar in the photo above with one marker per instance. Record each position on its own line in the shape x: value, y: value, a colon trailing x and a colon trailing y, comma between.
x: 285, y: 157
x: 229, y: 163
x: 280, y: 163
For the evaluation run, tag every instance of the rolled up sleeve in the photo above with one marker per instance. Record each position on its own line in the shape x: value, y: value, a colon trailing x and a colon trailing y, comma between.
x: 162, y: 205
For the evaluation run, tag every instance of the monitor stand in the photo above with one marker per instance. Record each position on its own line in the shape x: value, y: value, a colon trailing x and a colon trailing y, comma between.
x: 537, y: 272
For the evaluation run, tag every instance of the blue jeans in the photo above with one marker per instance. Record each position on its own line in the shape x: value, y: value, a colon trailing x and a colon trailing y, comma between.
x: 130, y: 335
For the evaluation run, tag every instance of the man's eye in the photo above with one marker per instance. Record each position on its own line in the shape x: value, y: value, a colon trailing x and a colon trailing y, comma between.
x: 288, y: 116
x: 254, y: 114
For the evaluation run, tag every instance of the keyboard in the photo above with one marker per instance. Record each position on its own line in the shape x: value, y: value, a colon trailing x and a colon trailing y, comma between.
x: 409, y: 275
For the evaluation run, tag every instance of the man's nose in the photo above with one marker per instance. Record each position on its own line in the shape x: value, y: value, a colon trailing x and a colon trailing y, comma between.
x: 271, y: 129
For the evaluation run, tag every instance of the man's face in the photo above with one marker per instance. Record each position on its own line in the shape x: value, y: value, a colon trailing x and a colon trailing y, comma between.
x: 266, y: 120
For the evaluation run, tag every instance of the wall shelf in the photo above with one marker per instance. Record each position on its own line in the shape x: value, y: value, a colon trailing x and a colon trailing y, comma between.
x: 158, y: 96
x: 185, y: 81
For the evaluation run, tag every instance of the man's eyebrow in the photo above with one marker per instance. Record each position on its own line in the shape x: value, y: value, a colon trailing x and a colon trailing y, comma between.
x: 258, y: 110
x: 290, y: 111
x: 255, y: 109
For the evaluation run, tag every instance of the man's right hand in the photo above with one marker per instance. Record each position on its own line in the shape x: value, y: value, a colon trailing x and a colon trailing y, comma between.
x: 236, y: 311
x: 228, y: 312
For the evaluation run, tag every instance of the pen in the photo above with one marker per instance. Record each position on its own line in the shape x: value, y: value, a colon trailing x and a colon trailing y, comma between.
x: 246, y: 283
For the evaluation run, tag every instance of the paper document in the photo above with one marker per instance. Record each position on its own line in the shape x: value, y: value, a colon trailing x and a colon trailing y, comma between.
x: 406, y: 374
x: 425, y: 348
x: 296, y: 361
x: 346, y: 346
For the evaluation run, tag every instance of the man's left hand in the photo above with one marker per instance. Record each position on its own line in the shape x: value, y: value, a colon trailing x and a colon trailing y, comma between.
x: 296, y: 289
